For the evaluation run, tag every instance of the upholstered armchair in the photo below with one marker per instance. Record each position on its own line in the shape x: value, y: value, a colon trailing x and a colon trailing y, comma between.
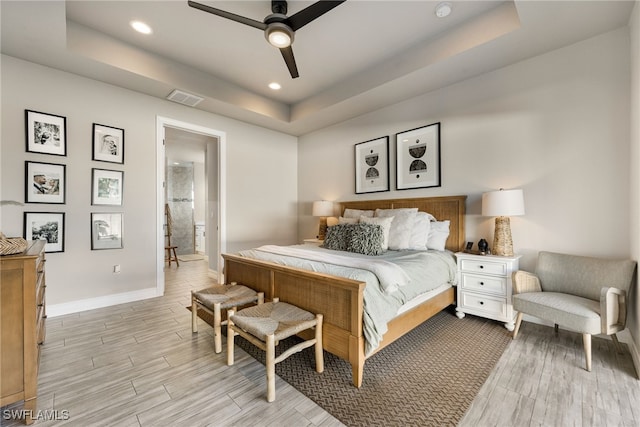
x: 583, y: 294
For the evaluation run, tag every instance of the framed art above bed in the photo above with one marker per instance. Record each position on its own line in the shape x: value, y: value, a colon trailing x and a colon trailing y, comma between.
x: 418, y: 157
x: 372, y: 165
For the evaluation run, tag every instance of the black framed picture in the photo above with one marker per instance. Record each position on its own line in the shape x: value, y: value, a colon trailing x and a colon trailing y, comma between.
x: 372, y: 165
x: 47, y: 226
x: 46, y: 133
x: 418, y: 157
x: 108, y: 144
x: 44, y: 182
x: 106, y: 187
x: 106, y: 230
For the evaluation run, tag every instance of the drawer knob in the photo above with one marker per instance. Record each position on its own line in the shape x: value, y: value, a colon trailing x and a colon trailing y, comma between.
x: 481, y: 302
x: 482, y: 266
x: 481, y: 283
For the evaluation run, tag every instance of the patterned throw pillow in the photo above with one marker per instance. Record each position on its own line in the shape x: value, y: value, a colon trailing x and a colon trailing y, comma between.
x: 337, y: 237
x: 366, y: 239
x: 362, y: 238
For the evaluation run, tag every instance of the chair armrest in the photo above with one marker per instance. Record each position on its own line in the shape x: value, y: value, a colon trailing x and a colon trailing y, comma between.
x: 613, y: 310
x: 524, y: 282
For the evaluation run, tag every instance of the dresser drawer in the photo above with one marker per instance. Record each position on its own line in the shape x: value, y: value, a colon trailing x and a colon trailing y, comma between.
x: 492, y: 306
x: 485, y: 267
x: 490, y: 284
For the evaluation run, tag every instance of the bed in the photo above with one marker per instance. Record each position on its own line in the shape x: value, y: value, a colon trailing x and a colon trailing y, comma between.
x: 340, y: 299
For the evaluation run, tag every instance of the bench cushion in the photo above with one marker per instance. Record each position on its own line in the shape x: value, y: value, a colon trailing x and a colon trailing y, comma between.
x: 227, y: 295
x: 574, y: 312
x: 280, y: 319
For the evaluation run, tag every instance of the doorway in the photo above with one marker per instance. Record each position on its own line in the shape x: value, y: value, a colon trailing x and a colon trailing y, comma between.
x: 190, y: 164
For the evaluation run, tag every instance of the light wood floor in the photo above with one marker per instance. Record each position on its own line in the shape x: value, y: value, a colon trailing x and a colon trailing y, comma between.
x: 138, y: 364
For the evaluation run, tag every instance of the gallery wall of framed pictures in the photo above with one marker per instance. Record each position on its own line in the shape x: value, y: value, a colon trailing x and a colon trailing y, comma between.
x: 417, y: 153
x: 45, y: 182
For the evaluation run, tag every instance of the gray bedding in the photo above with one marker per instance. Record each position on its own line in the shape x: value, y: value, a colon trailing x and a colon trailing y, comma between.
x: 426, y: 270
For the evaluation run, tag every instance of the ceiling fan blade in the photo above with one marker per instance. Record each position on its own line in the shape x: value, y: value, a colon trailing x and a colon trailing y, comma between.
x: 287, y: 54
x: 312, y: 12
x: 241, y: 19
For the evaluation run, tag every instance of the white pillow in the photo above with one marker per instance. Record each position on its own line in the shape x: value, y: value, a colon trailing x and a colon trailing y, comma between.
x: 420, y: 231
x: 356, y: 213
x: 401, y: 226
x: 343, y: 220
x: 438, y: 235
x: 385, y: 223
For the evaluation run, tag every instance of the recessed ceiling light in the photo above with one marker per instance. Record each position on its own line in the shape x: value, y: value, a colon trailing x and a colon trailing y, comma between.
x: 141, y: 27
x: 443, y: 9
x: 275, y: 86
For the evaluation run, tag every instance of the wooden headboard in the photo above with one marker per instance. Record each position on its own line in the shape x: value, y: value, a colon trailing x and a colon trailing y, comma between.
x: 443, y: 208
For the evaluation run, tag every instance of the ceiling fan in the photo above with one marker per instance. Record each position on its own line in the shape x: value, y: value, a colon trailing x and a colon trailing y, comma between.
x: 279, y: 29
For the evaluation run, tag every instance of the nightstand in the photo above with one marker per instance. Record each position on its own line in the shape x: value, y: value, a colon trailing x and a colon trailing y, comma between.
x: 316, y: 242
x: 484, y: 286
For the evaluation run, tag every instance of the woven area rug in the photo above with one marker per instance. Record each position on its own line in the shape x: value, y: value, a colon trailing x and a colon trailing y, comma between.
x: 429, y: 377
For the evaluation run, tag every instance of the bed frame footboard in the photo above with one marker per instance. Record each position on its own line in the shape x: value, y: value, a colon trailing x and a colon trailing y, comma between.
x: 338, y: 299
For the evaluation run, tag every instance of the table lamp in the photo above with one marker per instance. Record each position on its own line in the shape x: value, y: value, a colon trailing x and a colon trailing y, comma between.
x: 503, y: 204
x: 323, y: 209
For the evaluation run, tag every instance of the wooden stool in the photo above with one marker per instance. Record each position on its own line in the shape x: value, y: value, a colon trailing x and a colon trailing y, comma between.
x: 170, y: 258
x: 265, y: 325
x: 218, y: 297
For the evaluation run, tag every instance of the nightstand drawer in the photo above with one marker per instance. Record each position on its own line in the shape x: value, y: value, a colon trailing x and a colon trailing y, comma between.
x: 482, y: 303
x: 485, y: 267
x: 492, y: 284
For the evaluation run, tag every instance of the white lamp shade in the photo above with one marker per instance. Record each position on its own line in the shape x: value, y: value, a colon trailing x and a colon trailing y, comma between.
x: 503, y: 203
x: 322, y: 208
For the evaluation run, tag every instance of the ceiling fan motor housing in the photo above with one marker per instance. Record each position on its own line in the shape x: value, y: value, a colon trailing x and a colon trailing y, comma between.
x: 279, y: 6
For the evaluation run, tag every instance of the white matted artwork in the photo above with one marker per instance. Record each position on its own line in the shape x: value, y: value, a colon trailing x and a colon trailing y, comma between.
x: 46, y: 133
x: 47, y: 226
x: 106, y: 230
x: 418, y: 157
x: 108, y: 144
x: 372, y: 165
x: 106, y: 187
x: 44, y: 182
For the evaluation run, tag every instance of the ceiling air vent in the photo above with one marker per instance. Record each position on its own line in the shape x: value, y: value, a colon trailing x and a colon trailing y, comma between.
x: 184, y: 98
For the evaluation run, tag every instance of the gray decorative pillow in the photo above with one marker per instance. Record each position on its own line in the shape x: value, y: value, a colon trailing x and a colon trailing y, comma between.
x: 366, y: 239
x: 362, y: 238
x: 337, y: 237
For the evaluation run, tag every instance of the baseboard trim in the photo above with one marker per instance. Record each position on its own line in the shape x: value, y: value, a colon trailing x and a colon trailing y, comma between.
x: 55, y: 310
x: 635, y: 352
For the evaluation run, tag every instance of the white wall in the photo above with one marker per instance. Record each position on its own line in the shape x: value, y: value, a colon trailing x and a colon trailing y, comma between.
x: 556, y: 125
x: 633, y: 319
x: 261, y: 177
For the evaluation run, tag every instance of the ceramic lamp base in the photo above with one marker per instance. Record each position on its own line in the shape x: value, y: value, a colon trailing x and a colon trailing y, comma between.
x: 322, y: 228
x: 502, y: 242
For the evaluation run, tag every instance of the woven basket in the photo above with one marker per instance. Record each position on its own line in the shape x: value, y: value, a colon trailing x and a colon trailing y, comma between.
x: 12, y: 245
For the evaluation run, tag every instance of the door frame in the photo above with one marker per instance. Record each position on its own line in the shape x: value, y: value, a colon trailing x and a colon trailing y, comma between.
x: 221, y: 244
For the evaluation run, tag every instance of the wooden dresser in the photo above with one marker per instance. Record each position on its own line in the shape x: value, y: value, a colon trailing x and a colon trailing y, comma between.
x: 22, y: 325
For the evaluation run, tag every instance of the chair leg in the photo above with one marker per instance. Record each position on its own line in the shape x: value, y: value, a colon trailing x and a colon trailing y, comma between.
x: 586, y: 340
x: 616, y: 343
x: 217, y: 329
x: 318, y: 348
x: 271, y: 368
x: 517, y: 327
x: 230, y: 335
x: 175, y: 257
x: 194, y: 314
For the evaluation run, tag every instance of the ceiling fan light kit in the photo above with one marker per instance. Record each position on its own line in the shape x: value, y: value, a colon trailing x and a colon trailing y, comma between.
x: 279, y: 35
x: 279, y: 29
